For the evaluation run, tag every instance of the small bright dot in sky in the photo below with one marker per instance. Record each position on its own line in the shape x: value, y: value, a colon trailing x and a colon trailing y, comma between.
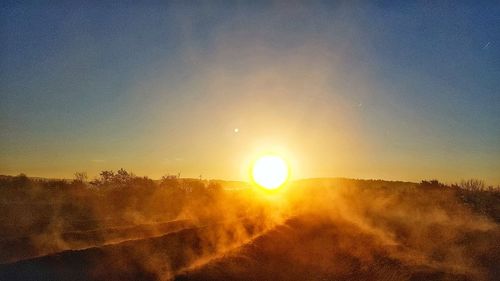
x: 285, y: 74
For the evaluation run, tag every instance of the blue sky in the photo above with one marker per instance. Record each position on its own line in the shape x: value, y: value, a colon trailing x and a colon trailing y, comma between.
x: 388, y: 90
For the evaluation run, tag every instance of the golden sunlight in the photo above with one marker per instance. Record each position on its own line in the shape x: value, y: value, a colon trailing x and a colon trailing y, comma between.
x: 270, y: 172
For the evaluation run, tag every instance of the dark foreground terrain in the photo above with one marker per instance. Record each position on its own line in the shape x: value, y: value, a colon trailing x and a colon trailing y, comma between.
x: 313, y: 230
x: 303, y: 248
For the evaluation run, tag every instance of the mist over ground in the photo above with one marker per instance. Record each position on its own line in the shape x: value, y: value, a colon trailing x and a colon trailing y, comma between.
x: 124, y: 227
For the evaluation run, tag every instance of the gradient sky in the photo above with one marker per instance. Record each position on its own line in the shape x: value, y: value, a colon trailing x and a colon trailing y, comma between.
x: 402, y: 91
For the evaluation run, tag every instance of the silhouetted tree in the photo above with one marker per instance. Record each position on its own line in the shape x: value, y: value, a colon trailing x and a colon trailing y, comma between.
x: 107, y: 177
x: 80, y: 177
x: 122, y: 177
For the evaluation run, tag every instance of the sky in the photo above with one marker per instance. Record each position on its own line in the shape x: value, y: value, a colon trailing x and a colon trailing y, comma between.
x: 359, y: 89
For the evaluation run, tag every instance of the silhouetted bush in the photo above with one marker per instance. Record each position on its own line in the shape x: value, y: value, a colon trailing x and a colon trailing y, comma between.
x: 170, y: 181
x: 472, y: 185
x: 431, y: 184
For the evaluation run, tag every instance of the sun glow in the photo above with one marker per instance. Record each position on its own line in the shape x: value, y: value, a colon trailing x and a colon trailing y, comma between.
x: 270, y: 172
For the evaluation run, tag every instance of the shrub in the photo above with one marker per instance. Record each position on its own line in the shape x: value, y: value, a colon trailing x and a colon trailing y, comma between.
x: 472, y: 185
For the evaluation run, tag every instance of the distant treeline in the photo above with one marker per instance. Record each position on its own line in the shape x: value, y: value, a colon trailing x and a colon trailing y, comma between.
x: 121, y: 195
x: 106, y: 178
x: 473, y: 193
x: 34, y: 205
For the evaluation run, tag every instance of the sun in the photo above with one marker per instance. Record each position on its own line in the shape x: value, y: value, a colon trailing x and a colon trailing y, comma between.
x: 270, y: 171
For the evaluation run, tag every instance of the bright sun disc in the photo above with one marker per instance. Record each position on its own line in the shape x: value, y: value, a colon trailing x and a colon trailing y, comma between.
x: 270, y: 172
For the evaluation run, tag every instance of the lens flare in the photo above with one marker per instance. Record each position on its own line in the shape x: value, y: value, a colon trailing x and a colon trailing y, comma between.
x: 270, y: 172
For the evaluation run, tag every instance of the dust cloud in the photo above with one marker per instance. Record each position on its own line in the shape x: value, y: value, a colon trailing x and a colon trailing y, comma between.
x: 186, y: 229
